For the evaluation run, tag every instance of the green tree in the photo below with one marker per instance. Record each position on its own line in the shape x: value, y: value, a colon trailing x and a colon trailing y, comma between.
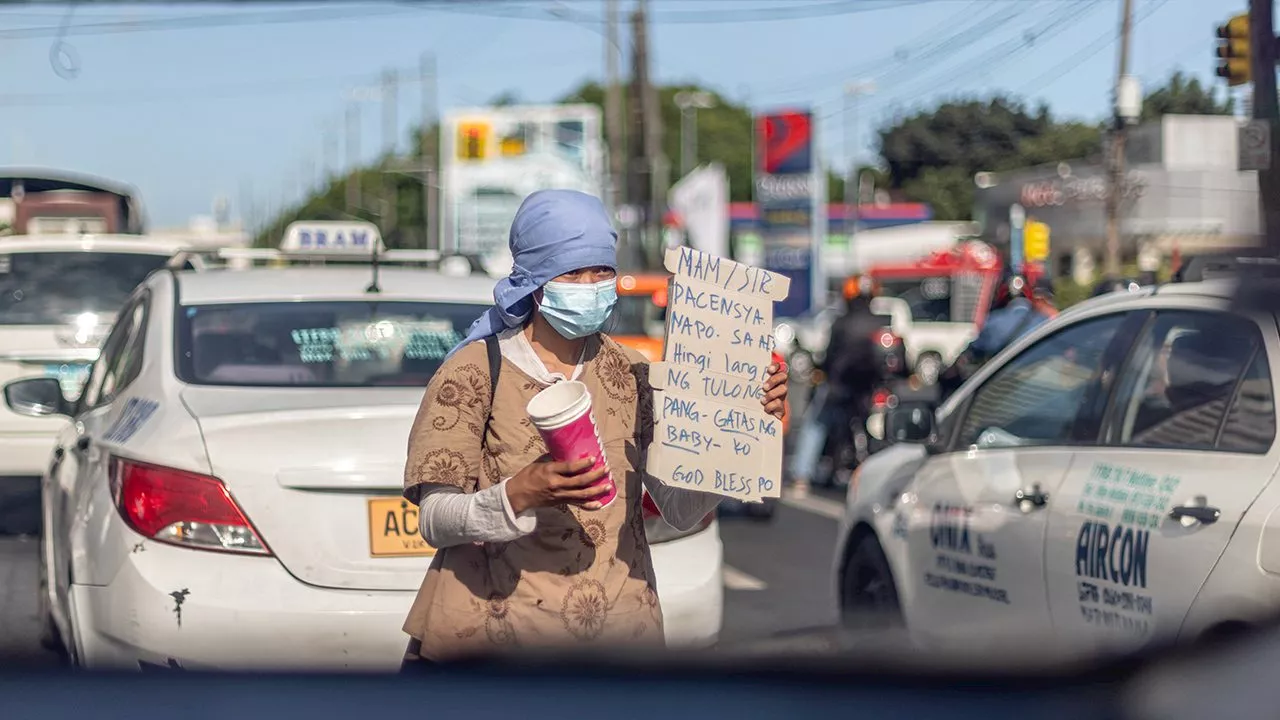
x: 1186, y: 95
x: 505, y: 99
x: 932, y: 156
x: 724, y: 131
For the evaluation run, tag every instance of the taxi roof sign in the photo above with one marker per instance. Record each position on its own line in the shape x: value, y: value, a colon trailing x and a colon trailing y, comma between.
x: 335, y: 237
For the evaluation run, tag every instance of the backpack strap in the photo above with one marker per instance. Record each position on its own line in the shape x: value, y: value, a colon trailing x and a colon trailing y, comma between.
x: 495, y: 366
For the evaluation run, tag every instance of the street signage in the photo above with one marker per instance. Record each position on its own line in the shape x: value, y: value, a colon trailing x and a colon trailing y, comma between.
x: 787, y: 193
x: 1255, y: 145
x: 335, y: 237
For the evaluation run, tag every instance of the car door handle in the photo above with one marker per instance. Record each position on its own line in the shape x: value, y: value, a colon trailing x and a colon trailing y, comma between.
x: 1034, y: 497
x: 82, y: 443
x: 58, y: 452
x: 1201, y: 513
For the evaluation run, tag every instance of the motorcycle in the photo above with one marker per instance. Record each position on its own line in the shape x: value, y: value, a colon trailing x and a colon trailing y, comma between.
x: 864, y: 433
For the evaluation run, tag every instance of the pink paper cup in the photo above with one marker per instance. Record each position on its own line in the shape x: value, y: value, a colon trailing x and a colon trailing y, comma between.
x: 562, y: 414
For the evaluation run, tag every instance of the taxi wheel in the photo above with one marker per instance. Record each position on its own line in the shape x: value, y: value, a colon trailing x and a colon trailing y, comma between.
x: 868, y: 597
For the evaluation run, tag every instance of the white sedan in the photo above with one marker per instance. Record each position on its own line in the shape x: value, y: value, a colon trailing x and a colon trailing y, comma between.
x: 1105, y: 482
x: 58, y: 298
x: 228, y: 495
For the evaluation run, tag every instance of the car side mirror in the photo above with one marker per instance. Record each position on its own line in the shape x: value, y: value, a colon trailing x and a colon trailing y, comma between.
x: 37, y: 397
x: 911, y: 422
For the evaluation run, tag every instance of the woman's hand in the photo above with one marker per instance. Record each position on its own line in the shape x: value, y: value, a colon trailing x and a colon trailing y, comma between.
x: 546, y: 484
x: 775, y: 391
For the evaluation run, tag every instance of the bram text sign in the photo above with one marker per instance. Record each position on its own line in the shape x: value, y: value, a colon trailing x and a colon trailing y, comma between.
x: 710, y: 431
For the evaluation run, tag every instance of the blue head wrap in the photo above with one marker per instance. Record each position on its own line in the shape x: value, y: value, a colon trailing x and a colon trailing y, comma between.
x: 554, y: 232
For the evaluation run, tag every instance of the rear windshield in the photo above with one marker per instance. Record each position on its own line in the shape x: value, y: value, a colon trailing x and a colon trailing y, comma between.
x: 929, y: 298
x: 318, y: 344
x: 53, y: 288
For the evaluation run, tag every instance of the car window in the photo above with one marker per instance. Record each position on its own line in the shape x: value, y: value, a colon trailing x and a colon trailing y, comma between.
x: 56, y: 288
x: 1251, y: 423
x: 108, y: 357
x: 1184, y: 375
x: 1036, y: 397
x: 929, y: 298
x: 127, y: 362
x: 318, y: 344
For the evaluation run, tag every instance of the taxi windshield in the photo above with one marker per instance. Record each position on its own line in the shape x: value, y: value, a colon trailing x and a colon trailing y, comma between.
x: 53, y: 288
x: 318, y: 344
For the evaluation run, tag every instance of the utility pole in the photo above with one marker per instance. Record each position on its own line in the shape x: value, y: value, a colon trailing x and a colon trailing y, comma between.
x: 427, y: 154
x: 328, y: 150
x: 613, y: 108
x: 852, y: 197
x: 353, y: 157
x: 689, y: 103
x: 650, y: 136
x: 1116, y: 169
x: 1262, y: 44
x: 390, y: 128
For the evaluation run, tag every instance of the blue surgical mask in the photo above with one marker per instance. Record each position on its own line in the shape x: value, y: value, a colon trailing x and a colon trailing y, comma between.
x: 577, y: 310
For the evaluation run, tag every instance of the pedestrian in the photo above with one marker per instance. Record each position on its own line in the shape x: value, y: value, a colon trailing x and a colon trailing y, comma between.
x: 851, y: 367
x: 526, y: 556
x: 1015, y: 312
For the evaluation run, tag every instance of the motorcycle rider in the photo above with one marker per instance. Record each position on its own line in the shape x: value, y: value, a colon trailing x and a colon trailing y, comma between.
x: 851, y: 367
x: 1015, y: 311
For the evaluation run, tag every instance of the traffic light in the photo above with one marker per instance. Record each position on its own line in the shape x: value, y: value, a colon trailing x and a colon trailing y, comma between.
x: 1233, y: 51
x: 472, y: 139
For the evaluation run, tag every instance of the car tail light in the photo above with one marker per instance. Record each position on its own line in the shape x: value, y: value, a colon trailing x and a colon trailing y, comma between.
x: 886, y: 339
x: 182, y: 508
x: 880, y: 399
x: 660, y: 531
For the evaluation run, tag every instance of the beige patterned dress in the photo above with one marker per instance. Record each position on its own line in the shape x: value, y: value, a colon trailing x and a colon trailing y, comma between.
x: 582, y: 577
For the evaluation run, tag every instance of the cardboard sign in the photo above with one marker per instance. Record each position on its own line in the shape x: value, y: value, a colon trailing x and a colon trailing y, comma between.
x: 710, y: 431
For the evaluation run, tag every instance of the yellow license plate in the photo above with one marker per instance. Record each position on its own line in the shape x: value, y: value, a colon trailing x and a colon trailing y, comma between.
x: 393, y: 529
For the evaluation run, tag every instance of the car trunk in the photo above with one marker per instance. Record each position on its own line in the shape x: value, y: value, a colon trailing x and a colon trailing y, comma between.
x: 305, y: 464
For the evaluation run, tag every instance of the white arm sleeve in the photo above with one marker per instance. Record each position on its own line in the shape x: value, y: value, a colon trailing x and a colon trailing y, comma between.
x: 447, y: 516
x: 681, y: 508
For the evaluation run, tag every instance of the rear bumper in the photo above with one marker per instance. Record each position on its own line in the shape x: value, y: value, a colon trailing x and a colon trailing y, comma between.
x: 174, y: 607
x: 691, y: 587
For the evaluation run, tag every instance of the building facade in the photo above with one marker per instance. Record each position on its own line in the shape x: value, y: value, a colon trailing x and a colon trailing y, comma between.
x: 1182, y: 193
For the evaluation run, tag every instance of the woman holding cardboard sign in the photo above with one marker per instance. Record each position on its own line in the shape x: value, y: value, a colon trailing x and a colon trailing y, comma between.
x: 537, y: 551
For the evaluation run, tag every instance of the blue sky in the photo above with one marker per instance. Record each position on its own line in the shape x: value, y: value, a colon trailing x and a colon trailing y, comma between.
x: 242, y: 110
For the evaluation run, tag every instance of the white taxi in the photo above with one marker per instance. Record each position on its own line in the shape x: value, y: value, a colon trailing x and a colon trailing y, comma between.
x: 1105, y: 482
x: 228, y: 495
x: 58, y: 298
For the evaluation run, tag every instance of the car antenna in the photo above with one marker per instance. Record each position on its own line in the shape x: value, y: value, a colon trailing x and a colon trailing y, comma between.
x: 373, y: 286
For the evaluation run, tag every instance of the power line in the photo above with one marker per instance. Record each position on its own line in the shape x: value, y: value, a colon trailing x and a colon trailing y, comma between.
x: 1078, y: 58
x: 112, y: 27
x: 1054, y: 24
x: 785, y: 11
x: 900, y: 57
x: 216, y: 91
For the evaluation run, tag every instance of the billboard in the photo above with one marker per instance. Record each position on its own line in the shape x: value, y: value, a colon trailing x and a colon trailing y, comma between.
x: 492, y: 158
x: 788, y: 189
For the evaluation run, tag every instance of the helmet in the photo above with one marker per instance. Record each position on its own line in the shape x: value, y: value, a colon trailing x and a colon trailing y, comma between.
x: 858, y: 286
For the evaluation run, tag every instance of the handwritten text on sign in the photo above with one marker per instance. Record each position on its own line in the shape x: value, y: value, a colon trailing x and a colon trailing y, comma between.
x: 710, y: 431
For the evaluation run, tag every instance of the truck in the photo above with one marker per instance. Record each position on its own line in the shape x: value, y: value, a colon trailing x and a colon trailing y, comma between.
x: 492, y: 158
